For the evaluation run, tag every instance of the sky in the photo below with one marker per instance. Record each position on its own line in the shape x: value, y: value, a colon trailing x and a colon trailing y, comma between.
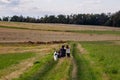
x: 35, y: 8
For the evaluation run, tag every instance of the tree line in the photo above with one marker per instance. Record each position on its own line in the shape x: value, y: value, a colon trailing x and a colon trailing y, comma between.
x: 80, y: 19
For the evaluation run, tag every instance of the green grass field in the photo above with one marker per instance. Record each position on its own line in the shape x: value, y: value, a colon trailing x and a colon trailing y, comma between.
x: 99, y: 61
x: 9, y: 59
x: 104, y: 58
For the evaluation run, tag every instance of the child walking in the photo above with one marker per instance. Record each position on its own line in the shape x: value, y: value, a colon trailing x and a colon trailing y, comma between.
x: 67, y: 51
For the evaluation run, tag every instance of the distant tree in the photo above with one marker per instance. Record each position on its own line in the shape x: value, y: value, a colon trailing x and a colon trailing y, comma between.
x: 15, y: 18
x: 37, y: 21
x: 61, y: 19
x: 30, y: 19
x: 5, y: 18
x: 67, y: 19
x: 80, y: 19
x: 114, y: 20
x: 52, y: 19
x: 102, y: 19
x: 21, y: 19
x: 44, y: 19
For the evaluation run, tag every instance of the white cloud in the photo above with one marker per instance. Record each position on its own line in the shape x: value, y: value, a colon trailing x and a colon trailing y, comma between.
x: 92, y: 1
x: 43, y: 7
x: 5, y: 1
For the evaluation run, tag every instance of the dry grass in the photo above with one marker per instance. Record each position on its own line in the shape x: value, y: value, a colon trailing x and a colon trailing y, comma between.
x: 13, y: 35
x: 61, y: 27
x: 42, y: 33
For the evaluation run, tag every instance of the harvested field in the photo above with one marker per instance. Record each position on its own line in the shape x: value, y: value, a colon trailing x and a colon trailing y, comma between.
x: 15, y: 35
x: 61, y: 27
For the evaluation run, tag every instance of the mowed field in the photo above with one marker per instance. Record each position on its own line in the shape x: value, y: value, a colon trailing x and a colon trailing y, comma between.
x: 24, y: 32
x: 26, y: 52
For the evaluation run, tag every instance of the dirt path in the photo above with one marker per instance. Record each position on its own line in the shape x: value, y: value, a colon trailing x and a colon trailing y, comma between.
x: 74, y: 71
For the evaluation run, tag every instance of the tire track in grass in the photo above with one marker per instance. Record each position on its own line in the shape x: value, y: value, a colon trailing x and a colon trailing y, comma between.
x: 60, y: 71
x: 84, y: 71
x: 96, y: 67
x: 74, y: 70
x: 39, y: 69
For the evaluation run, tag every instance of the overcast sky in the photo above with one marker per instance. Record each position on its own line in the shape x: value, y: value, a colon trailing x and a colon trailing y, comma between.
x: 47, y: 7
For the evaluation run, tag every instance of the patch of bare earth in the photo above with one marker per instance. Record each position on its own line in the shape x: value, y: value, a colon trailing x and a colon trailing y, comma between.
x: 15, y: 35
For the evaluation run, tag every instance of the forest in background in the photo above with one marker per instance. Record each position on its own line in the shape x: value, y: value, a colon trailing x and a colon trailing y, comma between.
x: 79, y: 19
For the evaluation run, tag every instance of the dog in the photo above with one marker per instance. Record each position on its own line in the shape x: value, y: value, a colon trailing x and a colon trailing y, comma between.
x: 55, y: 56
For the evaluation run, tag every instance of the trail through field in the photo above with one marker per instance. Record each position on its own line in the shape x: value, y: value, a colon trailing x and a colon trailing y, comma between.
x: 20, y: 68
x: 80, y: 66
x: 92, y: 65
x: 60, y: 71
x: 74, y: 70
x: 84, y: 71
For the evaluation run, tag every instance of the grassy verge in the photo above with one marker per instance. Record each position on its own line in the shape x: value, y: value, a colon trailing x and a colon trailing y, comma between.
x: 39, y: 69
x: 84, y: 69
x: 7, y: 60
x: 106, y: 59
